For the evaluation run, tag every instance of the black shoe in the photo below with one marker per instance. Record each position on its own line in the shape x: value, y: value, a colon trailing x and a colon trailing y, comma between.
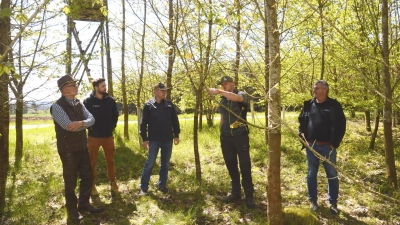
x: 89, y: 208
x: 74, y: 217
x: 250, y: 202
x: 314, y: 205
x: 163, y: 190
x: 231, y: 198
x: 334, y: 210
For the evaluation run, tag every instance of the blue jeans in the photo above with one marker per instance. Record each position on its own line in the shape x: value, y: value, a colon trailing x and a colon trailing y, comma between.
x: 166, y: 152
x: 331, y: 173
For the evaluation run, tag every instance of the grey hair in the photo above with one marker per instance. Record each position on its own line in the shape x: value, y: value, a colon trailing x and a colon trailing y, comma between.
x: 324, y: 84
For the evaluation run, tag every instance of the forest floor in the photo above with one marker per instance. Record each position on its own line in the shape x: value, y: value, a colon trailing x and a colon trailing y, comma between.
x: 35, y: 184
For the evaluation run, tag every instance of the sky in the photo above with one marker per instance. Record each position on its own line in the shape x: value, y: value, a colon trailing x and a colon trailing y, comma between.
x: 43, y: 87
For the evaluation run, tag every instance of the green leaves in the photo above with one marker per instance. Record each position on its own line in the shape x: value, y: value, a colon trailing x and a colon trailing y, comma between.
x: 6, y: 12
x: 6, y: 68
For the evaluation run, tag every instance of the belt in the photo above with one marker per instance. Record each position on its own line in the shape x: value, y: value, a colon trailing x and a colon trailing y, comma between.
x: 319, y: 142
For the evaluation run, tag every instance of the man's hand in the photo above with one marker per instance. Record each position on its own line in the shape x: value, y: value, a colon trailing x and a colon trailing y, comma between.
x: 145, y: 145
x: 213, y: 91
x: 176, y: 141
x: 75, y: 125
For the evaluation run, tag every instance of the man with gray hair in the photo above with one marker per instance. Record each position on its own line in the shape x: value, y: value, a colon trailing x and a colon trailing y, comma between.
x: 71, y: 118
x: 322, y: 125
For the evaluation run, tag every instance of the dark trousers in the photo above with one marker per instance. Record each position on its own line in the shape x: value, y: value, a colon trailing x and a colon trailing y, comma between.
x: 76, y: 163
x: 234, y: 147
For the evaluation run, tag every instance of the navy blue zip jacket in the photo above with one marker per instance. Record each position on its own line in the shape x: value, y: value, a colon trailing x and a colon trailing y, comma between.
x: 323, y: 122
x: 105, y: 113
x: 159, y: 121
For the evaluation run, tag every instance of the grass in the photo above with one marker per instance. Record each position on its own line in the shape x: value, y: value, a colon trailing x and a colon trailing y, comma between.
x: 35, y: 189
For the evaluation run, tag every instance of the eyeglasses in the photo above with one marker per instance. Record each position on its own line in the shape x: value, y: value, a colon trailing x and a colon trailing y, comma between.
x: 317, y: 88
x: 72, y: 85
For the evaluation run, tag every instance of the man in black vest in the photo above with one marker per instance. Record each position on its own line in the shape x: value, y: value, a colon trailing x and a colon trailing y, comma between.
x: 322, y: 125
x: 71, y: 119
x: 235, y: 140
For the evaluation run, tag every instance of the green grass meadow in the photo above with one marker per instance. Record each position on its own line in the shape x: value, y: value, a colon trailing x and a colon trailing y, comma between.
x: 35, y: 188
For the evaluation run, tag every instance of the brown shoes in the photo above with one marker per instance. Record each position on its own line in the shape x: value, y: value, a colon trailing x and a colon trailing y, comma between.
x: 94, y: 190
x: 114, y: 187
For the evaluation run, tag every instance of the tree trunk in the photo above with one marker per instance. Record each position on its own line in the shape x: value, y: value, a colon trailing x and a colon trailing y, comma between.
x: 5, y: 39
x: 18, y: 125
x: 196, y: 135
x: 139, y: 90
x: 237, y: 41
x: 123, y: 77
x: 171, y: 47
x: 266, y: 70
x: 367, y: 114
x: 109, y: 66
x: 201, y: 115
x: 274, y: 129
x: 321, y: 6
x: 387, y: 107
x: 375, y: 132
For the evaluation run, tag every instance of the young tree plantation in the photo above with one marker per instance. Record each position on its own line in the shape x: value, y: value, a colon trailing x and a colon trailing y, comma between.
x: 275, y: 50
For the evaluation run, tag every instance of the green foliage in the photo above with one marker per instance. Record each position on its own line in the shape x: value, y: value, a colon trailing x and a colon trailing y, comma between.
x: 5, y: 12
x: 21, y: 17
x: 6, y: 68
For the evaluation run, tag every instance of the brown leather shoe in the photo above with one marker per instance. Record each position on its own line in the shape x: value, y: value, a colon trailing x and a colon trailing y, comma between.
x: 114, y: 187
x: 94, y: 190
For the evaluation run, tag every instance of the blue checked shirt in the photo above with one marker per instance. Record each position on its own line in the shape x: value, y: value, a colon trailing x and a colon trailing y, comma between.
x: 63, y: 120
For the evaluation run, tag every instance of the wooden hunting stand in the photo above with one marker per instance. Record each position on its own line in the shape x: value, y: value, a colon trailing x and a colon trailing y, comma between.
x: 92, y: 11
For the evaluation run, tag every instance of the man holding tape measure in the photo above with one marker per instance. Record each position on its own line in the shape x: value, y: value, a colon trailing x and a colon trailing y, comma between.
x: 322, y: 125
x: 235, y: 140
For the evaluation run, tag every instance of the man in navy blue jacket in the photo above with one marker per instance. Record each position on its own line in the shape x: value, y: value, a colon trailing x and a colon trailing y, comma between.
x: 158, y: 127
x: 104, y: 109
x: 322, y: 125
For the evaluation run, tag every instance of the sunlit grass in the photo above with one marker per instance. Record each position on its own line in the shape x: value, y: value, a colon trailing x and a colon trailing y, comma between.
x: 35, y: 189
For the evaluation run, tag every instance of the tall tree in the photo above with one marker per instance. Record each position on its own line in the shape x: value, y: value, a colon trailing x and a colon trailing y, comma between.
x: 237, y: 41
x: 274, y: 129
x: 139, y: 90
x: 123, y: 77
x: 387, y: 108
x: 5, y: 40
x: 171, y: 46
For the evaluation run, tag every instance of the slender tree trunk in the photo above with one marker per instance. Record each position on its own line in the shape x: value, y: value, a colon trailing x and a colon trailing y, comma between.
x: 321, y: 6
x: 20, y: 104
x: 123, y: 81
x: 171, y: 43
x: 18, y: 124
x: 237, y: 41
x: 201, y: 114
x: 375, y: 131
x: 367, y: 114
x: 196, y: 135
x: 387, y: 107
x: 266, y: 70
x: 5, y: 39
x: 138, y: 103
x: 68, y: 56
x: 109, y: 64
x: 274, y: 129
